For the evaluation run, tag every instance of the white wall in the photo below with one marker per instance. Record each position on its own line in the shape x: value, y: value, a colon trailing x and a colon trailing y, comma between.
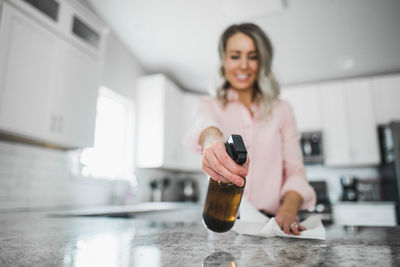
x: 121, y: 69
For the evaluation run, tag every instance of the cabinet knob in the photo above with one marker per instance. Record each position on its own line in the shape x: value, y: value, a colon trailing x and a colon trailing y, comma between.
x: 52, y: 123
x: 60, y: 124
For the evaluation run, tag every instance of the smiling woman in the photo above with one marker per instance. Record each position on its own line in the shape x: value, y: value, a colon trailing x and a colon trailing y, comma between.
x: 248, y: 104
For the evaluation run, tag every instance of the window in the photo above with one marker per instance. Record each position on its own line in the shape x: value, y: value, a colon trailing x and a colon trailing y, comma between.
x: 112, y: 154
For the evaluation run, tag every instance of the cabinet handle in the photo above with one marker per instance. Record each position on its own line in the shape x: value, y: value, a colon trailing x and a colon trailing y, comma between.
x: 52, y: 122
x: 60, y: 124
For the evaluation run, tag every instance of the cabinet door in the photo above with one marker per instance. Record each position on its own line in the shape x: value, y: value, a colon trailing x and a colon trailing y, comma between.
x: 27, y: 63
x: 305, y: 101
x: 386, y: 95
x: 335, y: 130
x: 173, y: 130
x: 363, y: 135
x: 76, y: 97
x: 350, y: 134
x: 150, y: 97
x: 159, y: 123
x: 191, y: 161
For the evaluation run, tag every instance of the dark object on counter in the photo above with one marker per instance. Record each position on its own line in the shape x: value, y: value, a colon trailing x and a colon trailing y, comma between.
x: 349, y: 188
x: 323, y: 205
x: 223, y: 199
x: 311, y: 146
x: 389, y: 137
x: 158, y: 189
x: 189, y: 190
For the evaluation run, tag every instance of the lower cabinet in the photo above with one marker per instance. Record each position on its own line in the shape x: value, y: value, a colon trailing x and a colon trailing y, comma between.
x: 364, y: 213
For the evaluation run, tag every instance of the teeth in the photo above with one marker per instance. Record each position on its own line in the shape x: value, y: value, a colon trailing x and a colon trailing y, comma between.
x: 242, y: 76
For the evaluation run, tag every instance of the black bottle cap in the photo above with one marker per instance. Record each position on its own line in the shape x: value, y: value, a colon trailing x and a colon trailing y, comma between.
x: 236, y: 149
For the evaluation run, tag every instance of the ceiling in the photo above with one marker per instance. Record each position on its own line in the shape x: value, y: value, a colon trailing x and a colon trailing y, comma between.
x: 314, y: 40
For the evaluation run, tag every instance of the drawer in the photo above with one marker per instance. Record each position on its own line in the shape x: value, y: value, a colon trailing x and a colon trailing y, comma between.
x: 365, y: 214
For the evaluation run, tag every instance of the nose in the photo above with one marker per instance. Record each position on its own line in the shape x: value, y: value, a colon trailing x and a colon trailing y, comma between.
x: 244, y: 62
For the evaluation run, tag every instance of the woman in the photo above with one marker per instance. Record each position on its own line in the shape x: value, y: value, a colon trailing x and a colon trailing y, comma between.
x: 247, y: 103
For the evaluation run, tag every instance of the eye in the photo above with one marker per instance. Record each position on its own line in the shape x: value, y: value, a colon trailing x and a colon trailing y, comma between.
x: 235, y: 57
x: 253, y: 57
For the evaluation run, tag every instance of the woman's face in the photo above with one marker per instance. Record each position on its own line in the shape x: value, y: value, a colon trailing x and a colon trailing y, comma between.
x: 241, y: 62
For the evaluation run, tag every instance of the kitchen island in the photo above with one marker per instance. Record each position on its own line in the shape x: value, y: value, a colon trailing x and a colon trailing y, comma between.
x: 36, y: 239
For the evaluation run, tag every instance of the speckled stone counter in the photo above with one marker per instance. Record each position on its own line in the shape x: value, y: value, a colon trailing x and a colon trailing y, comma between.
x: 35, y: 239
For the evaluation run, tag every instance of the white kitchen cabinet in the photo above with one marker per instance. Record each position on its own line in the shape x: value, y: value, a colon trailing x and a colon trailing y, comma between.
x: 349, y: 127
x: 28, y: 59
x: 159, y: 123
x: 386, y: 95
x: 191, y: 160
x: 49, y: 86
x: 364, y: 213
x: 75, y: 98
x: 305, y: 100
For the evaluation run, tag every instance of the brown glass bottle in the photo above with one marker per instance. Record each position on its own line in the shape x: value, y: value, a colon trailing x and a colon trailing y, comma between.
x: 223, y: 199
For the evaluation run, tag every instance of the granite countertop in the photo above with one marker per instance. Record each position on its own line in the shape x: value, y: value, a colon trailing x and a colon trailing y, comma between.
x: 36, y: 239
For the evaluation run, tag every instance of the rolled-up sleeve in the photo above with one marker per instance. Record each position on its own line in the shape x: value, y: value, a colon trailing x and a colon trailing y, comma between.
x: 294, y: 173
x: 204, y: 117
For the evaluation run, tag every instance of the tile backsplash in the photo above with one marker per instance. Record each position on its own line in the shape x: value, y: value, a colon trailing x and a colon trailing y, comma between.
x: 34, y: 177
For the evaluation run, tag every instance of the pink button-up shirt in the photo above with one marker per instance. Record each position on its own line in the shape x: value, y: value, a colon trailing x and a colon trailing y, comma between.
x: 276, y: 163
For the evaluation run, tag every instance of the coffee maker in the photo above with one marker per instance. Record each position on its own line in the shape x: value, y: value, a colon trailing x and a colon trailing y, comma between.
x: 349, y: 188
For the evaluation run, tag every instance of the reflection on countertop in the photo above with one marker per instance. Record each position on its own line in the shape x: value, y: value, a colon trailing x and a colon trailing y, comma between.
x: 127, y: 211
x: 35, y: 239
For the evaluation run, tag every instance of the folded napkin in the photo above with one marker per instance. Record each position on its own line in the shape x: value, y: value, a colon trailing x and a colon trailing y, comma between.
x: 253, y: 222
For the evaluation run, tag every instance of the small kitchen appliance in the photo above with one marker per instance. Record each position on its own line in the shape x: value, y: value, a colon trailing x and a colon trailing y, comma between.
x: 311, y: 146
x: 389, y: 136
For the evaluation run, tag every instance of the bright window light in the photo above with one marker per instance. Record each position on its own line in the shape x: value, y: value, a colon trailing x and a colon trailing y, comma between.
x: 112, y: 154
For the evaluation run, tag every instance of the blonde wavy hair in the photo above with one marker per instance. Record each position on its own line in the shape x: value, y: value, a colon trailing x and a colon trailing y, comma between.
x: 266, y: 87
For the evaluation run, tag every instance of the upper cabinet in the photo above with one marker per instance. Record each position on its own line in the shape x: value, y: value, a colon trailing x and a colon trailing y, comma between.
x: 28, y: 59
x: 349, y: 126
x: 191, y: 161
x: 49, y: 73
x: 305, y: 100
x: 159, y: 123
x: 386, y: 95
x: 164, y: 116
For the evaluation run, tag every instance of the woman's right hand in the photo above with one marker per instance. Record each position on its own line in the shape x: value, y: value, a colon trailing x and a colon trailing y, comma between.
x: 218, y: 164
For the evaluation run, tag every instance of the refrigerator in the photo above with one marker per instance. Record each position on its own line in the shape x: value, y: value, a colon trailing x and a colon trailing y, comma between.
x: 389, y: 137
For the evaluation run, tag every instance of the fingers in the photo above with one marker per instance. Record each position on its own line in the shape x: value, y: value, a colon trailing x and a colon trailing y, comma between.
x: 289, y: 228
x: 247, y: 163
x: 294, y: 227
x: 302, y: 228
x: 286, y: 228
x: 218, y: 165
x: 214, y: 175
x: 228, y: 163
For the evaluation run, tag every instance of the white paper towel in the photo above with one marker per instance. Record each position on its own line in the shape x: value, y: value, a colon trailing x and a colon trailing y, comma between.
x: 253, y: 222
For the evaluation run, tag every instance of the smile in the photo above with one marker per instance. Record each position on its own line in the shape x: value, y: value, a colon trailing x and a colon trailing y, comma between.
x: 242, y: 77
